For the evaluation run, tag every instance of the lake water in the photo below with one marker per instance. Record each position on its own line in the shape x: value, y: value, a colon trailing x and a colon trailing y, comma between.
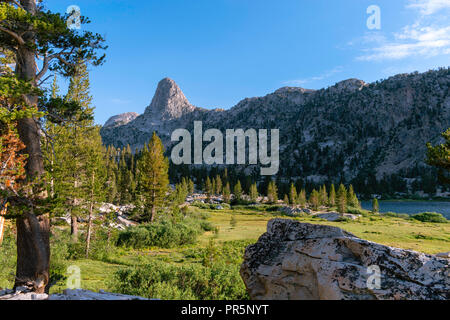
x: 411, y: 207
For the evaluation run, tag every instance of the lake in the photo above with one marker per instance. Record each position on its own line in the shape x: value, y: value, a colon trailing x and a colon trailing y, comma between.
x: 411, y: 207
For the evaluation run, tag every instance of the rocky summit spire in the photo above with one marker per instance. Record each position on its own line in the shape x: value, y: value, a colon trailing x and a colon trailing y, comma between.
x: 169, y: 101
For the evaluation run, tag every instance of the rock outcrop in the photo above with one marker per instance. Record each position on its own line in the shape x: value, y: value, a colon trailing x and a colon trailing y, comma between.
x: 120, y: 120
x: 301, y: 261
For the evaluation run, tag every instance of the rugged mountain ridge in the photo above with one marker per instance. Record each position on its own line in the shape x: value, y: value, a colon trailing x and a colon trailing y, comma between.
x: 348, y: 130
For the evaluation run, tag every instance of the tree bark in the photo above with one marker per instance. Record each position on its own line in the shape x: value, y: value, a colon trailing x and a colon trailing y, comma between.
x: 33, y: 252
x: 152, y: 217
x: 91, y: 208
x: 33, y: 244
x: 74, y: 228
x: 74, y: 218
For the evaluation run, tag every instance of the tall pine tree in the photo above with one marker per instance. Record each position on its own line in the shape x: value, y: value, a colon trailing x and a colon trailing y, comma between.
x: 153, y: 169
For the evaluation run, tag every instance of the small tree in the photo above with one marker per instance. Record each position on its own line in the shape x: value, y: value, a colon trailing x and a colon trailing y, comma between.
x: 227, y: 193
x: 301, y: 199
x: 352, y: 199
x: 218, y: 184
x: 253, y: 193
x: 375, y: 205
x: 342, y: 198
x: 439, y: 157
x: 208, y: 189
x: 237, y: 190
x: 292, y: 195
x: 323, y: 196
x: 314, y: 199
x: 191, y: 186
x: 233, y: 221
x: 272, y: 192
x: 154, y: 178
x: 332, y: 197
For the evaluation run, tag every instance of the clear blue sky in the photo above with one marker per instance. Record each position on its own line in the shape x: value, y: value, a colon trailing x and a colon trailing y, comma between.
x: 221, y: 51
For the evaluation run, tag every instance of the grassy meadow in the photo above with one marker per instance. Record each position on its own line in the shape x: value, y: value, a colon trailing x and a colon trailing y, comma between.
x: 217, y: 253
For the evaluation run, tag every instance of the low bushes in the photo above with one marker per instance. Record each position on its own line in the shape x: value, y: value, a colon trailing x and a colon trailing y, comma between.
x: 210, y: 206
x: 211, y: 274
x: 164, y: 234
x: 397, y: 215
x: 430, y: 217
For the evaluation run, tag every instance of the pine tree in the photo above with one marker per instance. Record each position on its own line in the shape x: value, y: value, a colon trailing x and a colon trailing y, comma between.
x: 323, y: 196
x: 342, y: 198
x: 96, y: 176
x: 301, y: 198
x: 293, y: 195
x: 227, y: 193
x: 214, y: 186
x: 72, y: 148
x: 332, y: 197
x: 352, y: 199
x: 218, y: 185
x: 286, y: 199
x: 254, y: 193
x: 439, y: 157
x: 272, y: 192
x: 314, y: 199
x: 208, y: 189
x: 375, y: 205
x: 111, y: 174
x: 237, y: 191
x: 191, y: 186
x: 153, y: 176
x: 42, y: 41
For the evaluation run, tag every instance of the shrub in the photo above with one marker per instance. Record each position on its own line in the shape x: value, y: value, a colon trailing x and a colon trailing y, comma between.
x: 165, y: 281
x: 164, y: 234
x: 430, y: 217
x: 228, y: 252
x: 354, y: 210
x: 397, y: 215
x: 207, y: 226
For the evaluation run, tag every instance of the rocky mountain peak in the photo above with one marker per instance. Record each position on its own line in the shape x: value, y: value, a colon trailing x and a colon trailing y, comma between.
x: 121, y: 119
x: 169, y: 101
x: 288, y: 90
x: 349, y: 85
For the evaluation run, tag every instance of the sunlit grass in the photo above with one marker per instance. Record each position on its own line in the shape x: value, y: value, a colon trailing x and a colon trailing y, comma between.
x: 250, y: 225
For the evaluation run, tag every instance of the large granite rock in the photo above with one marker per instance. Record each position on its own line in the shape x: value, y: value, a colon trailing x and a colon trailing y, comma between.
x: 294, y: 260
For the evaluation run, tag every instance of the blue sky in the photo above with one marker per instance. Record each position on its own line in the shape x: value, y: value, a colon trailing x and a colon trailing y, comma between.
x: 221, y: 51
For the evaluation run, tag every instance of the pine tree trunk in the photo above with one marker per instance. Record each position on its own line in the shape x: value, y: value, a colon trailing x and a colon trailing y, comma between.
x: 33, y: 246
x: 152, y: 217
x: 153, y: 211
x: 91, y: 207
x: 88, y: 236
x: 74, y: 228
x: 33, y: 252
x: 74, y: 219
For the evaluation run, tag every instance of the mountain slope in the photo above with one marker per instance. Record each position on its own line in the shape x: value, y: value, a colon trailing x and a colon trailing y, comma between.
x: 352, y: 129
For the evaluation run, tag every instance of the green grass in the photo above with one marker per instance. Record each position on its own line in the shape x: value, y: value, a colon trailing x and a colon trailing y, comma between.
x: 249, y: 225
x: 391, y: 231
